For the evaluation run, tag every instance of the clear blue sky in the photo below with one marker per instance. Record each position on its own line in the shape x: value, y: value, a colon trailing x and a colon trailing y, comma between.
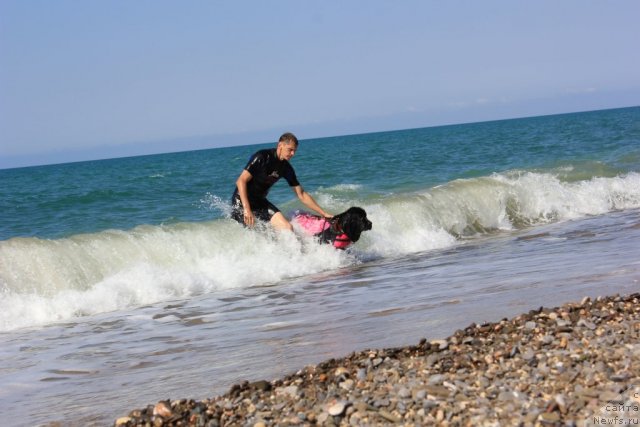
x: 97, y: 79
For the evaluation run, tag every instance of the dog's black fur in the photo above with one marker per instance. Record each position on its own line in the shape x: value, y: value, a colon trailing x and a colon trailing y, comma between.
x: 351, y: 222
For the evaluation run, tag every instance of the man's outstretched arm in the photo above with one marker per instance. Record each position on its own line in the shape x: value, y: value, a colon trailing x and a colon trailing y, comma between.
x: 309, y: 201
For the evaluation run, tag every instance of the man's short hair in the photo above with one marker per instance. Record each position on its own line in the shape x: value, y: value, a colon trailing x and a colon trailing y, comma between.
x: 288, y: 137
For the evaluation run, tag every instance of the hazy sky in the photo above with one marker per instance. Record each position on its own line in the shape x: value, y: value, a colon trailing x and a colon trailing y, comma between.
x: 87, y: 79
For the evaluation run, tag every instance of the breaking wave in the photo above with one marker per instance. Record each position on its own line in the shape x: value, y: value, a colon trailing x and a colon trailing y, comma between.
x: 49, y: 280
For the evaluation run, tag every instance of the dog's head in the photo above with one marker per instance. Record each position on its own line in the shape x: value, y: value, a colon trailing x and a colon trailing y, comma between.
x: 353, y: 222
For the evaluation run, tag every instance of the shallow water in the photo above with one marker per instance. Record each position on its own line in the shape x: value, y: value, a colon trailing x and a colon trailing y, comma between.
x: 94, y: 370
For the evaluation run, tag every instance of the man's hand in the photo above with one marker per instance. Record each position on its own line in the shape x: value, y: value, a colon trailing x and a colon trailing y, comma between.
x: 249, y: 219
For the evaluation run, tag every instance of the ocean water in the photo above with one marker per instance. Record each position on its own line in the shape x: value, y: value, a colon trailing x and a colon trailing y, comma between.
x: 123, y: 282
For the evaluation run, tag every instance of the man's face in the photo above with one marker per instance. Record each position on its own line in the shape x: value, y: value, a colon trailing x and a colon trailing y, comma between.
x: 286, y: 150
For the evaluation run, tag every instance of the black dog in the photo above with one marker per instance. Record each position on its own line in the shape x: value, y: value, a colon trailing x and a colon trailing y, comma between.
x: 339, y: 231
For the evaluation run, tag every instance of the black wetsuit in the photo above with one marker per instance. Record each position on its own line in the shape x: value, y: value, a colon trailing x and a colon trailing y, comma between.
x: 266, y: 169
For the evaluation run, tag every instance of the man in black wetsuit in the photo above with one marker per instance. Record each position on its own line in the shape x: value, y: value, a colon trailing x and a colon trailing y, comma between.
x: 249, y: 200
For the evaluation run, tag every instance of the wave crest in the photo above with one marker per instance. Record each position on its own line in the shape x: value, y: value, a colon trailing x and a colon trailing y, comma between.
x: 43, y: 280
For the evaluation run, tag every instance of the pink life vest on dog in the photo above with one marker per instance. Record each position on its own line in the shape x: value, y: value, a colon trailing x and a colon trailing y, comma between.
x: 316, y: 226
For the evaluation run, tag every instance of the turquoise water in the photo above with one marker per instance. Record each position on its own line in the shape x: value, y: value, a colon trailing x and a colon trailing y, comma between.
x: 123, y: 280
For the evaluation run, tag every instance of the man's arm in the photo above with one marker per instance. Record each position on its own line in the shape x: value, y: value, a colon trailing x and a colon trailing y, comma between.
x: 241, y: 183
x: 309, y: 201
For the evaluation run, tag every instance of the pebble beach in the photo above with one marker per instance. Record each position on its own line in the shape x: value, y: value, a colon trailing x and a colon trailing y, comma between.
x: 576, y: 364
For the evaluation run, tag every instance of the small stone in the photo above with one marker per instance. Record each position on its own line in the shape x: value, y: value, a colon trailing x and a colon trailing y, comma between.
x: 419, y: 394
x: 549, y: 417
x: 323, y: 417
x: 530, y: 325
x: 432, y: 359
x: 587, y: 324
x: 361, y: 375
x: 506, y: 396
x: 435, y: 379
x: 437, y: 391
x: 389, y: 416
x: 450, y: 386
x: 531, y: 417
x: 264, y: 414
x: 442, y: 344
x: 404, y: 392
x: 528, y: 354
x: 561, y: 401
x: 361, y: 406
x: 429, y: 404
x: 515, y: 350
x: 122, y: 420
x: 621, y: 377
x: 483, y: 382
x: 341, y: 371
x: 261, y: 385
x: 381, y: 402
x: 337, y: 408
x: 162, y: 409
x: 291, y: 391
x: 347, y: 384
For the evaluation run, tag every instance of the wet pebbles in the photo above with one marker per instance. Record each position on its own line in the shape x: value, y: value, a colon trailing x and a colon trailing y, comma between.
x: 544, y: 368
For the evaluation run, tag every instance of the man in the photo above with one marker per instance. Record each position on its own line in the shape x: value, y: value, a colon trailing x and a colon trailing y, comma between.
x: 265, y: 168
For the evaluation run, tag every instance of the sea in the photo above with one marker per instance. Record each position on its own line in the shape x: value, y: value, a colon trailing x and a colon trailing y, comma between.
x: 123, y: 282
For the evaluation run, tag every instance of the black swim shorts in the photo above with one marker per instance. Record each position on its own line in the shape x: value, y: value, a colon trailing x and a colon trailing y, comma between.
x: 262, y: 209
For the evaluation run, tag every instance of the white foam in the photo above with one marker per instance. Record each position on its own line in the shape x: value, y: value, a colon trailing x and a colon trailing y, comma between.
x: 543, y: 197
x: 44, y: 281
x: 437, y: 217
x: 215, y: 203
x: 345, y: 187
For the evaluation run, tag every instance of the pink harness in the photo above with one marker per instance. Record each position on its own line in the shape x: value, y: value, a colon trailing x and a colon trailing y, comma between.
x: 316, y: 226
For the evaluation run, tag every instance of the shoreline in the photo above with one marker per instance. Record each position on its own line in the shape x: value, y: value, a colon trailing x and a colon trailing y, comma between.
x: 565, y: 365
